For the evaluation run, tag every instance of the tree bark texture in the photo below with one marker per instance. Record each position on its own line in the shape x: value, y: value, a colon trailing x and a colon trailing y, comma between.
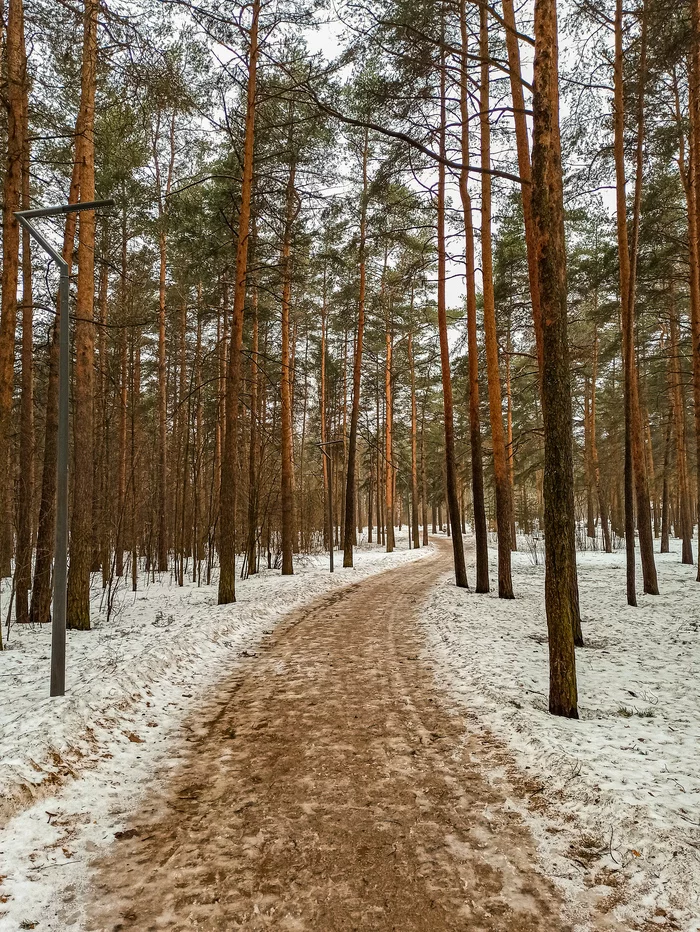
x: 548, y: 217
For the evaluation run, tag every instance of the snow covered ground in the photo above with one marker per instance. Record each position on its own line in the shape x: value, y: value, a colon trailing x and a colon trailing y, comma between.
x: 130, y: 685
x: 614, y: 799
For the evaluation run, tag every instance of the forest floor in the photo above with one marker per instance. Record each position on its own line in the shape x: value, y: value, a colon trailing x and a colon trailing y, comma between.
x: 380, y: 759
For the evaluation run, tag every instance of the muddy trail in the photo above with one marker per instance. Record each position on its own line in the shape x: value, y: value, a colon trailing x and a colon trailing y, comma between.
x: 326, y: 787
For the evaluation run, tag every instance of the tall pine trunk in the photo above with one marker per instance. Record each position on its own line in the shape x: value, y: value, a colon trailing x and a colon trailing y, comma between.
x: 227, y: 577
x: 197, y: 448
x: 12, y: 194
x: 500, y: 465
x: 134, y: 459
x: 121, y: 449
x: 548, y: 220
x: 414, y: 444
x: 102, y: 487
x: 448, y: 403
x: 328, y: 540
x: 389, y: 426
x: 675, y: 382
x: 664, y: 493
x: 23, y: 568
x: 600, y: 492
x: 478, y: 504
x: 510, y: 451
x: 78, y: 611
x: 524, y: 168
x: 162, y: 371
x: 288, y: 529
x: 693, y: 201
x: 423, y: 481
x: 253, y: 447
x: 636, y: 474
x: 350, y: 490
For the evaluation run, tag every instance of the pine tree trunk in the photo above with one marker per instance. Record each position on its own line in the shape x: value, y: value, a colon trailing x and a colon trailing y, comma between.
x: 524, y: 168
x: 322, y: 413
x: 424, y: 484
x: 381, y: 535
x: 162, y: 414
x: 340, y: 474
x: 123, y: 408
x: 133, y: 466
x: 303, y: 535
x: 370, y: 503
x: 350, y: 492
x: 675, y: 382
x: 664, y: 493
x: 183, y: 448
x: 628, y: 254
x: 221, y: 407
x: 227, y: 578
x: 388, y: 430
x: 588, y: 467
x: 414, y: 444
x: 253, y: 451
x: 448, y: 404
x: 162, y: 371
x: 23, y: 567
x: 693, y: 200
x: 12, y: 194
x: 548, y: 220
x: 510, y: 458
x: 197, y: 448
x: 102, y: 490
x: 602, y: 495
x: 286, y: 387
x: 648, y: 459
x: 500, y: 465
x: 477, y: 465
x: 121, y: 454
x: 78, y: 612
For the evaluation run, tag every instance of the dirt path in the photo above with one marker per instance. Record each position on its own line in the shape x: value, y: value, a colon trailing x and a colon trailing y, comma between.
x: 327, y: 789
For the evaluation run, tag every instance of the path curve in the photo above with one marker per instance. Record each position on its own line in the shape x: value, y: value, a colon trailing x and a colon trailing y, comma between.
x: 327, y: 788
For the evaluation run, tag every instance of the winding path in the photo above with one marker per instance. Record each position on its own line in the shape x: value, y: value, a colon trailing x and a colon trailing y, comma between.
x: 327, y: 788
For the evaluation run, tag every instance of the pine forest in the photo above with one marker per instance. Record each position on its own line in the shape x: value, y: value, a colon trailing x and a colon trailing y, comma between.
x: 350, y: 464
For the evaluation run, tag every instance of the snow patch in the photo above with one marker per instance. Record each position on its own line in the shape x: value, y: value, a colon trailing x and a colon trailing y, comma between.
x: 614, y: 799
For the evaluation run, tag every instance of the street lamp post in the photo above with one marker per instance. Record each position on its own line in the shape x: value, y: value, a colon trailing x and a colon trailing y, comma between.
x: 60, y: 571
x: 330, y: 443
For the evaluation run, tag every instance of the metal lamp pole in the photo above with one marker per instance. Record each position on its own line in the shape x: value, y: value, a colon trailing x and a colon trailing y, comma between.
x: 60, y: 572
x: 330, y: 443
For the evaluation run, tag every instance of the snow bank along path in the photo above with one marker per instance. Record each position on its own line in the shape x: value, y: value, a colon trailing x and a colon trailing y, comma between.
x: 130, y: 684
x: 619, y: 790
